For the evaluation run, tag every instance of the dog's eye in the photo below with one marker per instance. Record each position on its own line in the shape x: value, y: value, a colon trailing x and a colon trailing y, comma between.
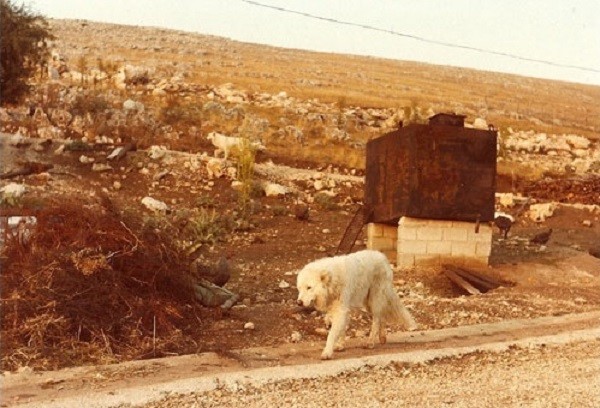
x: 308, y: 287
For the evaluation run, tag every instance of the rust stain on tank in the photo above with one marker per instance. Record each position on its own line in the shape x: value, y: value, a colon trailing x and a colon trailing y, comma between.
x: 441, y: 170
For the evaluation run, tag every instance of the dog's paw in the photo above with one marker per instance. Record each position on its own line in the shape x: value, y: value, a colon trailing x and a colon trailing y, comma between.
x: 340, y: 347
x: 369, y: 345
x: 326, y: 355
x: 412, y: 328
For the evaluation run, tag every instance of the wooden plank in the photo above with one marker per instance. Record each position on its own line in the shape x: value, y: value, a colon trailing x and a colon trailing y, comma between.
x: 461, y: 282
x: 478, y: 277
x: 472, y: 278
x: 351, y: 234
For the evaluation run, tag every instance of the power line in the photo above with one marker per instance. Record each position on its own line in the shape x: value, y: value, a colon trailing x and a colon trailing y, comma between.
x: 422, y: 39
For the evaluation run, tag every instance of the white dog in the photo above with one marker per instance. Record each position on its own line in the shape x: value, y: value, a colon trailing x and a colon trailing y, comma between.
x: 227, y: 144
x: 224, y: 143
x: 359, y: 280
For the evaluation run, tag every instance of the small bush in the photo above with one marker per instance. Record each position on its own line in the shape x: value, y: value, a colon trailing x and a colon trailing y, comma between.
x: 89, y: 103
x: 205, y: 201
x: 245, y: 174
x: 78, y: 146
x: 23, y: 36
x: 204, y: 227
x: 279, y: 210
x: 326, y: 201
x: 176, y: 114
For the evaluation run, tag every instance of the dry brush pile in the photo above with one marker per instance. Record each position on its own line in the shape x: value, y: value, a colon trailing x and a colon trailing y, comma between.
x: 91, y: 286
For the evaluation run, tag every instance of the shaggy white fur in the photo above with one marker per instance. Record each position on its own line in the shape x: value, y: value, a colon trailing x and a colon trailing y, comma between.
x: 225, y: 143
x: 359, y: 280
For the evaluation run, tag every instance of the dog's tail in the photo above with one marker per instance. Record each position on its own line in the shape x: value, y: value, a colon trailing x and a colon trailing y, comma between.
x: 395, y: 311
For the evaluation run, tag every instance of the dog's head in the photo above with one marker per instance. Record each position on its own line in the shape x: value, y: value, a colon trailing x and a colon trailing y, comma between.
x: 312, y: 284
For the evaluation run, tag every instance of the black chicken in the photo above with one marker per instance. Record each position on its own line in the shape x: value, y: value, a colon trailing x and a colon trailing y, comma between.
x: 504, y: 222
x: 302, y: 212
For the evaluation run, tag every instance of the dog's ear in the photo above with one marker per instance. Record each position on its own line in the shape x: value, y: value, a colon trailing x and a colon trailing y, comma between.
x: 325, y: 277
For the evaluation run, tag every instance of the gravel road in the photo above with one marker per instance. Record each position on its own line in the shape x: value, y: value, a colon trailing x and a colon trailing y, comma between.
x: 541, y: 376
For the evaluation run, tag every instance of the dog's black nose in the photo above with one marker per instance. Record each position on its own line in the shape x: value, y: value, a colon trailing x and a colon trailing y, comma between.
x: 299, y: 302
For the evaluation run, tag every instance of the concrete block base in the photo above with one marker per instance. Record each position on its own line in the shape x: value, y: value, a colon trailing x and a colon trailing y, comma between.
x: 420, y: 242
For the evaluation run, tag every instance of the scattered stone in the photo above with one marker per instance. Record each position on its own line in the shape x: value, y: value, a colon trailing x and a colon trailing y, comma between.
x: 274, y: 190
x: 157, y: 152
x: 130, y: 105
x: 296, y: 337
x: 586, y: 223
x: 284, y: 285
x: 85, y: 159
x: 160, y: 175
x: 100, y: 167
x: 539, y: 212
x: 249, y: 326
x: 19, y: 140
x: 321, y: 331
x: 154, y: 205
x: 13, y: 191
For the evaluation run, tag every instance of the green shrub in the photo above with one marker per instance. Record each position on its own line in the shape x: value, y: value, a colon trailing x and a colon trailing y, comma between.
x: 175, y: 113
x: 279, y: 210
x: 245, y: 174
x: 326, y: 201
x: 89, y: 103
x: 23, y: 36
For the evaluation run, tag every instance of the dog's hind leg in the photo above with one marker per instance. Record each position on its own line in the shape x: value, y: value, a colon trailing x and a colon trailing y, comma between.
x: 375, y: 331
x: 339, y: 321
x: 340, y: 345
x: 382, y: 334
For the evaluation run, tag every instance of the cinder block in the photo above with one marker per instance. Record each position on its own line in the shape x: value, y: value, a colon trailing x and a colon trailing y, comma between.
x: 464, y: 225
x: 381, y: 244
x: 374, y: 230
x: 439, y: 247
x: 413, y: 222
x: 410, y: 246
x: 391, y: 255
x: 466, y: 249
x: 407, y: 232
x: 483, y: 249
x: 429, y: 233
x: 441, y: 224
x: 454, y: 234
x: 484, y: 234
x: 390, y: 231
x: 405, y: 261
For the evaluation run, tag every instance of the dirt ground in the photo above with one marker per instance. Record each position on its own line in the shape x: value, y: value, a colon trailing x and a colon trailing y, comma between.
x: 556, y: 279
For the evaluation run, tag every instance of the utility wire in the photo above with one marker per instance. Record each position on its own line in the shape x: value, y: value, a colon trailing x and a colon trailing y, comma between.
x: 418, y: 38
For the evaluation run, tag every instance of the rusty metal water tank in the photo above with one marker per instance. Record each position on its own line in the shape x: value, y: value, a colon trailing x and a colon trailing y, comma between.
x: 440, y: 170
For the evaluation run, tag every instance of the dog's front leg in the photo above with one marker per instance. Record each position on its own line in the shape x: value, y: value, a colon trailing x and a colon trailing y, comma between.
x: 339, y: 321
